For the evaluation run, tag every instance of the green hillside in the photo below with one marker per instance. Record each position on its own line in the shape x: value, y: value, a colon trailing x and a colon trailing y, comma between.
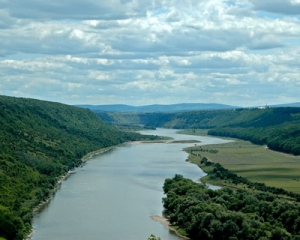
x: 206, y: 119
x: 279, y: 128
x: 40, y: 141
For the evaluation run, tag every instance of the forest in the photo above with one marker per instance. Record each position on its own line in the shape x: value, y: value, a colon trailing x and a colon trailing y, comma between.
x: 202, y: 213
x: 40, y: 142
x: 244, y: 209
x: 279, y: 127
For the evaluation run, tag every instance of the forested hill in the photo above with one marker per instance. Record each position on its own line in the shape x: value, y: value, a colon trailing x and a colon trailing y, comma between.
x: 279, y: 128
x: 39, y: 142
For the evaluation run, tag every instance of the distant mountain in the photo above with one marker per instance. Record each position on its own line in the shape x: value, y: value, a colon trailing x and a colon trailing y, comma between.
x: 157, y: 107
x: 296, y: 104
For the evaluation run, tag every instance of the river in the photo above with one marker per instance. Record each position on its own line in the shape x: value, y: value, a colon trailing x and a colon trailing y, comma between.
x: 115, y: 193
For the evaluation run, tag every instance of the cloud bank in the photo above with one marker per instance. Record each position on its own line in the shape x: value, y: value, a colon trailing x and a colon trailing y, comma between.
x: 240, y: 52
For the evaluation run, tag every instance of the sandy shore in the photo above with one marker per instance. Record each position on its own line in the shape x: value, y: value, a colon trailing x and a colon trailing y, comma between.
x: 166, y: 223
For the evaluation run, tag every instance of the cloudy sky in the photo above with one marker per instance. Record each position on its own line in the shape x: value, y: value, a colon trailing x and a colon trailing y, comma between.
x: 140, y: 52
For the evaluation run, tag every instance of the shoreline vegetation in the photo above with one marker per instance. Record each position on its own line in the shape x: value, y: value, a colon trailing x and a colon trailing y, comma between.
x: 229, y: 213
x: 48, y: 139
x: 40, y: 142
x: 269, y: 178
x: 164, y: 221
x: 254, y: 162
x: 84, y: 159
x: 192, y: 158
x: 278, y: 127
x: 237, y: 156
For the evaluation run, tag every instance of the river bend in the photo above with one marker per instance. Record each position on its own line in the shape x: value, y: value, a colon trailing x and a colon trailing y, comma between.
x: 115, y: 193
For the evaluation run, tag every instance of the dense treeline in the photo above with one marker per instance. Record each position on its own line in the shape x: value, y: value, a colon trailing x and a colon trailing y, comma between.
x: 207, y: 119
x: 283, y: 138
x: 279, y: 128
x: 229, y: 214
x: 40, y: 141
x: 155, y: 119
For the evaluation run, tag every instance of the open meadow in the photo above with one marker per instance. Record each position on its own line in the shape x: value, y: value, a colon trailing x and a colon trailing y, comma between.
x: 253, y: 162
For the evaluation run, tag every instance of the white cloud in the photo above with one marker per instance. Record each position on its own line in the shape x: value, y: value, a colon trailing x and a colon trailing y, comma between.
x: 138, y: 52
x: 73, y: 9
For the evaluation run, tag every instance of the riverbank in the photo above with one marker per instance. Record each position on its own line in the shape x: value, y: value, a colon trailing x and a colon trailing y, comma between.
x: 164, y: 221
x: 253, y: 162
x: 124, y: 163
x: 62, y: 178
x: 257, y: 163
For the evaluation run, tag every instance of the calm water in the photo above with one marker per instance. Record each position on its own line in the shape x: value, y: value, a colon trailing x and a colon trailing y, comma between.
x: 114, y: 194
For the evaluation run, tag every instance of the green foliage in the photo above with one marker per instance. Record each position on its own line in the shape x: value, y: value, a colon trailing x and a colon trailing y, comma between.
x: 279, y: 128
x: 284, y: 137
x: 229, y: 214
x: 40, y: 141
x: 153, y: 237
x: 222, y: 173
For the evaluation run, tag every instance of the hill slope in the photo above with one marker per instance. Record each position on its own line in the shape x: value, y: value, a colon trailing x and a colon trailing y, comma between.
x: 40, y: 141
x: 279, y: 128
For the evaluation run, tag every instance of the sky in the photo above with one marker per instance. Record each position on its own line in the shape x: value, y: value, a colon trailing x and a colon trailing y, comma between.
x: 138, y: 52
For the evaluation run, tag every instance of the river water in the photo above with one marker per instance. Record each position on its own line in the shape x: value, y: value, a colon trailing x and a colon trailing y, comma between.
x: 115, y: 193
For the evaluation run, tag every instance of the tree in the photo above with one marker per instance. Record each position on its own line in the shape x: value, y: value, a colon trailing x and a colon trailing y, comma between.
x: 153, y: 237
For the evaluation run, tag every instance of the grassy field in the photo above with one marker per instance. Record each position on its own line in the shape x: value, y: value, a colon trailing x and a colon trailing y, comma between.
x: 256, y: 163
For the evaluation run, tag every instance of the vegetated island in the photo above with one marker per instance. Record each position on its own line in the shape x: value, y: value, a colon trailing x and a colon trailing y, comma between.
x: 271, y: 128
x: 244, y: 208
x: 40, y: 143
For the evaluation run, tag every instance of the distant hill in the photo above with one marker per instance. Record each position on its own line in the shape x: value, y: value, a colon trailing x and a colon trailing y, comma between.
x: 297, y: 104
x: 279, y: 128
x: 157, y: 107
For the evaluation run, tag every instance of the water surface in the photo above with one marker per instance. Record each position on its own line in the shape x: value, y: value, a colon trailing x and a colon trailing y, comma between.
x: 114, y: 194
